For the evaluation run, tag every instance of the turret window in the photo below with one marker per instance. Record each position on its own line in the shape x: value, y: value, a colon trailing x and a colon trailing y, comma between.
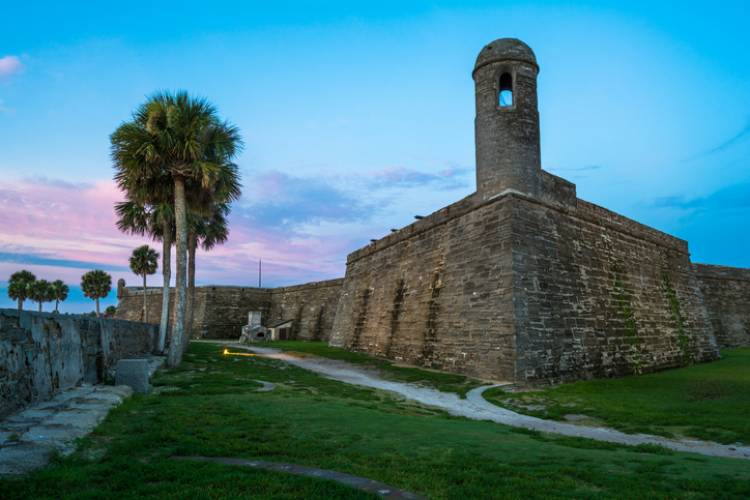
x: 505, y: 91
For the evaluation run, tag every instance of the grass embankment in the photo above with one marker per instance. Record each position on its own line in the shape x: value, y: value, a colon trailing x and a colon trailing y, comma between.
x: 209, y: 406
x: 447, y: 382
x: 708, y: 401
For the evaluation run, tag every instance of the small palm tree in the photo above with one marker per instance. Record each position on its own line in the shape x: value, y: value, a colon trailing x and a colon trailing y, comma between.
x: 143, y: 262
x: 155, y: 219
x: 59, y: 293
x: 40, y: 291
x: 96, y: 285
x: 19, y: 286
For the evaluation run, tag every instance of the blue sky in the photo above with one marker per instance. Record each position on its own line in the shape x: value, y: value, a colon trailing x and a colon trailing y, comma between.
x: 358, y: 116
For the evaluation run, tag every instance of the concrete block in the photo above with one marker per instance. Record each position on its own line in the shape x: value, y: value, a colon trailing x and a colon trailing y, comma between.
x: 134, y: 373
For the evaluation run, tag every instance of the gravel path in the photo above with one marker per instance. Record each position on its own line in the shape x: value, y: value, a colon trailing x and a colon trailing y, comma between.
x: 477, y: 408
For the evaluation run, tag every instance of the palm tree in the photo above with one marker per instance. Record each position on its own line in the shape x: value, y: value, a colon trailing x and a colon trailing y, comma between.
x: 18, y: 286
x: 96, y: 285
x: 156, y: 221
x: 40, y: 291
x: 183, y: 138
x: 209, y: 231
x: 143, y: 262
x: 59, y: 292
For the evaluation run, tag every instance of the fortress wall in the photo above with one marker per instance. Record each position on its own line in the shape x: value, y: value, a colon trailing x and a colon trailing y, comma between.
x: 598, y: 294
x: 437, y: 293
x: 130, y: 304
x: 726, y: 291
x: 312, y: 306
x: 42, y: 354
x: 220, y: 312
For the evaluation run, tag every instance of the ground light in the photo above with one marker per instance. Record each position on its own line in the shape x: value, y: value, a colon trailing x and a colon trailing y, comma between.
x: 228, y: 353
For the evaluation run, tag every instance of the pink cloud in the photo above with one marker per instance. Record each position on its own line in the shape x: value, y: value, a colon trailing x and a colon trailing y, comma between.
x: 59, y: 229
x: 9, y: 65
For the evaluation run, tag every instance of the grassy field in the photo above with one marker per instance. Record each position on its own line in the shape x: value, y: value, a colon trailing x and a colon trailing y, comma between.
x: 707, y: 401
x: 447, y: 382
x: 209, y: 406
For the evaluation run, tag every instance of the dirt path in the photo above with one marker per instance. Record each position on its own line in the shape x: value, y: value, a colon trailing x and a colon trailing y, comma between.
x: 477, y: 408
x: 361, y: 483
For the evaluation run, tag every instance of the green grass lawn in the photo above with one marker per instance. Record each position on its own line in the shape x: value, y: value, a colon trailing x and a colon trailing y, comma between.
x: 707, y: 401
x: 447, y: 382
x: 208, y: 406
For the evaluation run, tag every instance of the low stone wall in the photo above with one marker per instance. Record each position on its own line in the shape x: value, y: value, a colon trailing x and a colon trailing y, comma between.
x: 726, y: 292
x: 220, y: 312
x: 42, y: 353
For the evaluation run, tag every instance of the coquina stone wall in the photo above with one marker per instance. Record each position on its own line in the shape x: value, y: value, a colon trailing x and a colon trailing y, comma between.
x: 42, y: 354
x: 221, y: 311
x: 437, y: 293
x: 726, y: 291
x: 528, y: 289
x: 312, y: 307
x: 597, y: 294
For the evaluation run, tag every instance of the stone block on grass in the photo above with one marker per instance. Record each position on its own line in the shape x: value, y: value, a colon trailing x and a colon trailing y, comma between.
x: 134, y: 373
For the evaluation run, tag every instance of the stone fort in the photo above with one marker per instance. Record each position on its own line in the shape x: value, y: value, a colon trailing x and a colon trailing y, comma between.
x: 519, y: 281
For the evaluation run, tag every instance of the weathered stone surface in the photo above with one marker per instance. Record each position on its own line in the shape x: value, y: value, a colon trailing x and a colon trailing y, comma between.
x: 135, y: 374
x: 42, y: 354
x: 726, y: 291
x: 30, y: 436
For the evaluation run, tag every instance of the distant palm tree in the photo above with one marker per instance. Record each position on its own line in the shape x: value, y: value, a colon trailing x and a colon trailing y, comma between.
x: 96, y: 285
x: 19, y: 286
x: 59, y: 293
x: 143, y: 262
x: 157, y: 221
x: 183, y: 138
x: 40, y: 291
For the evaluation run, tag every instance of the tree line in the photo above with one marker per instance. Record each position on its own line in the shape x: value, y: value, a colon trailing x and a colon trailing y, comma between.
x: 23, y: 285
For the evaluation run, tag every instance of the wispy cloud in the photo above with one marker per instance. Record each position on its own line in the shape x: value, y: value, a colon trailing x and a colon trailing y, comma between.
x: 43, y: 260
x: 740, y: 136
x: 276, y: 199
x: 9, y: 65
x: 449, y: 178
x: 735, y: 197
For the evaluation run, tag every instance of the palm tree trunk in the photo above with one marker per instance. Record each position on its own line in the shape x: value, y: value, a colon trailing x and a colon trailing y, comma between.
x: 192, y: 246
x: 40, y: 306
x: 178, y: 332
x: 57, y: 304
x: 97, y: 306
x: 20, y: 305
x: 145, y: 306
x: 166, y: 271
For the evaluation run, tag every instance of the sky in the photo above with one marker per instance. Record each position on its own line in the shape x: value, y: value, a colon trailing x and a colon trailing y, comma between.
x: 357, y: 116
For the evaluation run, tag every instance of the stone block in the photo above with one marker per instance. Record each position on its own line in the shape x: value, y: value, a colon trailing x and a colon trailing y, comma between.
x: 134, y: 373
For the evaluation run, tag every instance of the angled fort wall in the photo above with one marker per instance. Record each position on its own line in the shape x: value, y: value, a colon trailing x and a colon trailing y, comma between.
x: 598, y: 294
x: 437, y: 293
x: 726, y: 291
